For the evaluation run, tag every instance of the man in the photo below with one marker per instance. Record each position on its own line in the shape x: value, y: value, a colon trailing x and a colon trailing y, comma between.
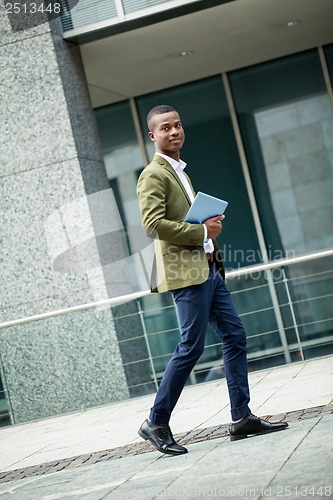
x: 188, y: 265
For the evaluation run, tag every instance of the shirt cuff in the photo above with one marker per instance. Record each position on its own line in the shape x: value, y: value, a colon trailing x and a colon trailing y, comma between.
x: 205, y: 233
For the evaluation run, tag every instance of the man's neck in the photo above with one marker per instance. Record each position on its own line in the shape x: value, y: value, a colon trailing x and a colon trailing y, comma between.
x: 171, y: 160
x: 175, y: 155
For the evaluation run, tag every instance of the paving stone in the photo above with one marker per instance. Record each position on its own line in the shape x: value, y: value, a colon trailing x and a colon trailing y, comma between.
x: 252, y: 467
x: 308, y: 472
x: 195, y: 436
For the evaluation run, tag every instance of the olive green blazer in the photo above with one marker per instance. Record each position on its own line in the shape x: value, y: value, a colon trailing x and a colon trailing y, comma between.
x: 180, y: 259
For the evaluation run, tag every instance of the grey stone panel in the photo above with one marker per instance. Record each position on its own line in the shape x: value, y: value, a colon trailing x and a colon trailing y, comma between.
x: 50, y: 160
x: 30, y: 285
x: 62, y: 364
x: 7, y: 35
x: 116, y: 279
x: 81, y: 114
x: 93, y: 175
x: 110, y: 235
x: 302, y: 171
x: 34, y: 121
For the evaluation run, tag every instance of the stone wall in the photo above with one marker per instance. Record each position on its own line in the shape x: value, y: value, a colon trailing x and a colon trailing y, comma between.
x: 50, y: 158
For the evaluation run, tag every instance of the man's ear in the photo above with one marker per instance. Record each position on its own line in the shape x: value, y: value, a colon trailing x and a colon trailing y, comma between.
x: 151, y: 136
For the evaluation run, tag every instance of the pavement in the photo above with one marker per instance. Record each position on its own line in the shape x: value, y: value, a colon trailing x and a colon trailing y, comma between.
x: 97, y: 454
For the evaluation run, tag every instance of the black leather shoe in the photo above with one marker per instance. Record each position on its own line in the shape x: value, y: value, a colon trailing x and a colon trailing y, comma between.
x: 252, y: 425
x: 161, y: 437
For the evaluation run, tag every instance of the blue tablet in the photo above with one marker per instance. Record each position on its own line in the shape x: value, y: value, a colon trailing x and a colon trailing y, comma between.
x: 205, y: 207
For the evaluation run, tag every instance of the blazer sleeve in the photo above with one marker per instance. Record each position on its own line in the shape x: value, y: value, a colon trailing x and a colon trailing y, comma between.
x: 152, y: 201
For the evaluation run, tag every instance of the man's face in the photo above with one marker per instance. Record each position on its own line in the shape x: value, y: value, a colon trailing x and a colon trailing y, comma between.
x: 168, y: 134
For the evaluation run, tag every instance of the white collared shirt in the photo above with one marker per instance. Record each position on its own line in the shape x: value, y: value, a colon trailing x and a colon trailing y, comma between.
x: 179, y: 166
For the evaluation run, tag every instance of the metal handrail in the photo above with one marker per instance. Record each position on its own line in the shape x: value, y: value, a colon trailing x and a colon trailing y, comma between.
x: 279, y: 263
x: 132, y: 296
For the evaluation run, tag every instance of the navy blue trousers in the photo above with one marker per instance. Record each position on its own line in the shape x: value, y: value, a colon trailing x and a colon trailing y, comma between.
x: 198, y: 305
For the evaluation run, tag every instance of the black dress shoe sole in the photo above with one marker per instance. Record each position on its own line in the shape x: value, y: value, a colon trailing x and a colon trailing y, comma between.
x: 237, y: 437
x: 162, y: 450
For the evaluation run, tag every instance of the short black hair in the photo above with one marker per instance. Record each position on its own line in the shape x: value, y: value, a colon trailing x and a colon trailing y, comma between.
x: 158, y: 110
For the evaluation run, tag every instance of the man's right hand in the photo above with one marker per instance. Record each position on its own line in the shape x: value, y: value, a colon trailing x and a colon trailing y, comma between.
x: 214, y: 226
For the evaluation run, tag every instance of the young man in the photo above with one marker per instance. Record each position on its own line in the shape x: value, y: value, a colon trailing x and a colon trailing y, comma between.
x: 187, y: 264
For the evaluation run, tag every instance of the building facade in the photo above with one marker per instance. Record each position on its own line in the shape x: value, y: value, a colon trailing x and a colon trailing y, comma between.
x: 78, y: 326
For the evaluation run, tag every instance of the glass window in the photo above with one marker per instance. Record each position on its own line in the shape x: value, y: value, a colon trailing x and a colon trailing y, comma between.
x: 86, y: 12
x: 312, y: 282
x: 134, y: 5
x: 328, y: 51
x: 123, y: 162
x: 287, y: 127
x: 286, y: 123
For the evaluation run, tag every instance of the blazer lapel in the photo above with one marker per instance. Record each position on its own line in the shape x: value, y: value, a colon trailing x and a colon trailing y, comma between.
x: 169, y: 168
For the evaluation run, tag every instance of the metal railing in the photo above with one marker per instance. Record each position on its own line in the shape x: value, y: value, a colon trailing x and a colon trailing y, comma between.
x: 305, y: 305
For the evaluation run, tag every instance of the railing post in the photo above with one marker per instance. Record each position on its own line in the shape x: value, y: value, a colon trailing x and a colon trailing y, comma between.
x: 278, y: 315
x: 143, y: 324
x: 285, y: 280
